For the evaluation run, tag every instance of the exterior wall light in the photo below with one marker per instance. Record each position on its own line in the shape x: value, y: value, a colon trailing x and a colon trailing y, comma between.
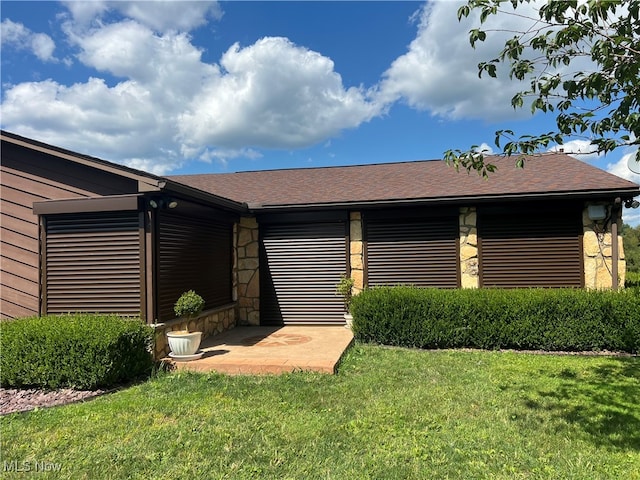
x: 597, y: 212
x: 162, y: 203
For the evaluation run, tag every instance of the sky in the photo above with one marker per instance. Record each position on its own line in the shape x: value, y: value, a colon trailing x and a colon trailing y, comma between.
x: 181, y: 87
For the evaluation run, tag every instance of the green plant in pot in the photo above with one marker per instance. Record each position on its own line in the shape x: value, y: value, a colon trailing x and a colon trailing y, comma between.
x: 183, y: 343
x: 344, y: 289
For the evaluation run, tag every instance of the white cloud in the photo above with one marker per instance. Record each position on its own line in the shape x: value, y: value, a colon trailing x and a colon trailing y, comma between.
x: 130, y: 50
x: 580, y: 149
x: 439, y: 72
x: 223, y: 155
x: 621, y: 168
x: 170, y: 15
x: 84, y: 13
x: 118, y: 123
x: 152, y: 166
x: 160, y: 16
x: 21, y: 38
x: 273, y: 94
x: 170, y: 106
x: 485, y: 149
x: 631, y: 216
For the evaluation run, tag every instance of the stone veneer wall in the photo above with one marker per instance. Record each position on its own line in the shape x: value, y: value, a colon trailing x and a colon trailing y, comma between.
x: 210, y: 323
x: 247, y: 280
x: 356, y: 251
x: 597, y: 253
x: 469, y: 271
x: 596, y: 250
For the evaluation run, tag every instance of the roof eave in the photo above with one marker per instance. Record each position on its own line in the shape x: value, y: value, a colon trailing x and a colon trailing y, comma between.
x: 625, y: 193
x: 206, y: 197
x: 147, y: 182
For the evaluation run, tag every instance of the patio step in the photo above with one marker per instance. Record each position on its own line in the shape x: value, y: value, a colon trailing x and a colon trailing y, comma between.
x: 272, y: 350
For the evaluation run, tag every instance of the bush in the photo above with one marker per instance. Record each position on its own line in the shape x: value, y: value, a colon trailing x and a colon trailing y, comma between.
x: 344, y: 289
x: 526, y: 319
x: 190, y: 304
x: 76, y: 351
x: 632, y: 280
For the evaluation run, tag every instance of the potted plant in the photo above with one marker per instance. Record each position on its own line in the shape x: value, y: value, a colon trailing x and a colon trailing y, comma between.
x: 344, y: 288
x: 183, y: 343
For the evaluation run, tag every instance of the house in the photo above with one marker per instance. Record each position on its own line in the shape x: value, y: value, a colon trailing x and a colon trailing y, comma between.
x: 267, y: 247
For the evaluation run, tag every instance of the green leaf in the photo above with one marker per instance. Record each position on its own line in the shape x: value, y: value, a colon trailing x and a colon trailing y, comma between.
x: 476, y: 35
x: 603, y: 100
x: 517, y: 100
x: 463, y: 11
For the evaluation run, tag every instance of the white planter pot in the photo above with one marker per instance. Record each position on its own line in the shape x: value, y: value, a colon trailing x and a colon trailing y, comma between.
x: 184, y: 343
x: 349, y: 319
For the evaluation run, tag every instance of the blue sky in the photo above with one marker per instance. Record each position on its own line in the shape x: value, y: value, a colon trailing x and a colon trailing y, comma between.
x: 200, y: 87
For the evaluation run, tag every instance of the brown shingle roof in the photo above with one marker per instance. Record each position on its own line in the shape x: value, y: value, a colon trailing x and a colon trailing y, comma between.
x: 409, y: 181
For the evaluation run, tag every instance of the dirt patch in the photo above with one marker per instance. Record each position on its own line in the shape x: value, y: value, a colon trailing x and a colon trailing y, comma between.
x: 21, y: 400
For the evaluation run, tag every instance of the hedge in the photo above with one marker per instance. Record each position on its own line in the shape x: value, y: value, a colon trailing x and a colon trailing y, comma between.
x: 76, y: 351
x: 525, y: 319
x: 632, y: 280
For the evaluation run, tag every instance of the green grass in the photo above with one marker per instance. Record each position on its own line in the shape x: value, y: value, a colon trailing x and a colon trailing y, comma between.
x: 389, y: 414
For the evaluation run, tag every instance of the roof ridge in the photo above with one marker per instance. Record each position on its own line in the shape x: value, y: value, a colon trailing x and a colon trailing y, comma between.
x: 324, y: 167
x: 360, y: 165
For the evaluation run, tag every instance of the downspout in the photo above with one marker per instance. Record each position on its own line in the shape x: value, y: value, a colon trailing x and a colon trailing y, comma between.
x: 615, y: 212
x: 42, y: 264
x: 150, y: 262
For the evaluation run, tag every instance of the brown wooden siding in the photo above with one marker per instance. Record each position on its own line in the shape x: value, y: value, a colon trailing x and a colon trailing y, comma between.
x: 299, y: 268
x: 27, y: 177
x: 79, y: 180
x: 521, y: 248
x: 421, y: 252
x: 92, y: 263
x: 19, y: 272
x: 194, y: 253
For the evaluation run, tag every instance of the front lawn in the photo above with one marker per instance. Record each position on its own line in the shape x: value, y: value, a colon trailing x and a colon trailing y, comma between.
x: 390, y: 413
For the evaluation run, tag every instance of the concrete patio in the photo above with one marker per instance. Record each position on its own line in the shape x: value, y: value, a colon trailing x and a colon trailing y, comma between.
x: 272, y: 350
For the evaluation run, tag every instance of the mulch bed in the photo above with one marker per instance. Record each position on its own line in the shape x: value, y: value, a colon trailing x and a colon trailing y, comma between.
x: 14, y: 400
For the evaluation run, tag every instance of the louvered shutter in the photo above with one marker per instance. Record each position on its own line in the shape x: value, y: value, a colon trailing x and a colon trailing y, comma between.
x: 300, y: 267
x: 530, y: 250
x: 92, y: 263
x: 193, y: 254
x: 421, y: 252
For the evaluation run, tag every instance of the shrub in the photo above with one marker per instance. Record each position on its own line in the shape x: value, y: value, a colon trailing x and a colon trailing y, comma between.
x: 632, y: 280
x: 77, y: 351
x: 529, y: 319
x: 344, y: 289
x: 190, y: 304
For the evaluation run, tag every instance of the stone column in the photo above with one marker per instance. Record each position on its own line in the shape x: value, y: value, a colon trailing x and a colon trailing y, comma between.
x: 469, y: 271
x: 597, y: 252
x: 247, y: 279
x: 356, y: 251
